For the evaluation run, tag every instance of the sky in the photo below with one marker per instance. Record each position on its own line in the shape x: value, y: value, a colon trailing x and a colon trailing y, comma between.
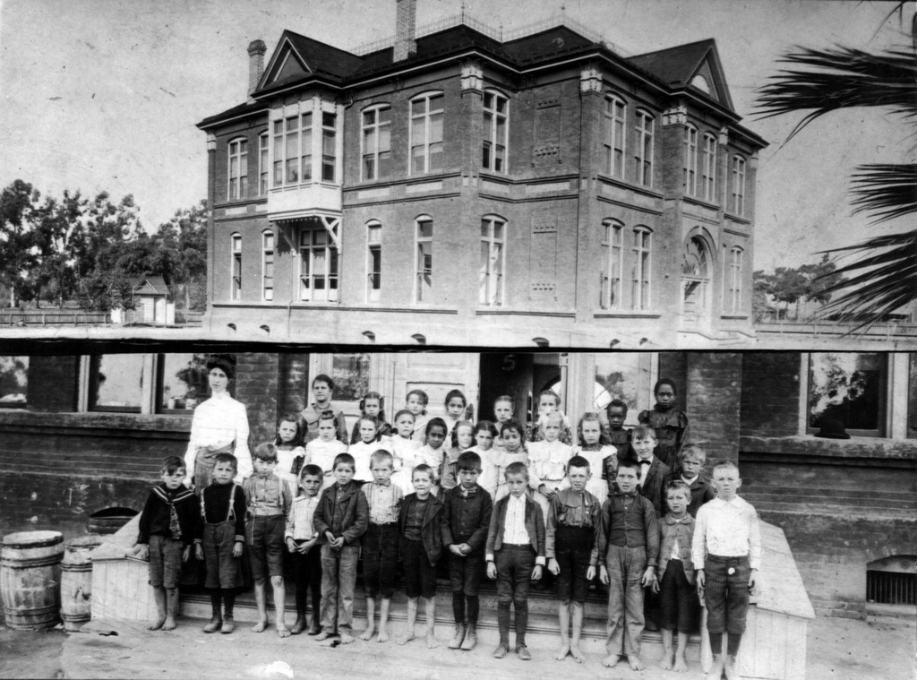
x: 105, y: 94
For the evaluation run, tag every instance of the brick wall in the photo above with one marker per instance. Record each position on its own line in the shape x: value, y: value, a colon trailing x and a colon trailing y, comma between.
x: 258, y: 387
x: 713, y: 402
x: 53, y: 383
x: 770, y: 398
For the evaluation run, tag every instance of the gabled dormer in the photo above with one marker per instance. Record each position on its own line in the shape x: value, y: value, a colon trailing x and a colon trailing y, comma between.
x: 298, y: 59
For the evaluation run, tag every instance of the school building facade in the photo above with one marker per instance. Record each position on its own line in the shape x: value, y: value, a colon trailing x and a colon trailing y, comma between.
x: 462, y: 185
x: 80, y: 434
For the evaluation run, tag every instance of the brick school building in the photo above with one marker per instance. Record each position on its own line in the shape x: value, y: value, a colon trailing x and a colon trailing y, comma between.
x: 463, y: 185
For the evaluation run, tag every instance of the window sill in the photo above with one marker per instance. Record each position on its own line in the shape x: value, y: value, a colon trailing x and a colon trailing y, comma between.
x: 503, y: 311
x: 627, y: 314
x: 701, y: 202
x: 624, y: 184
x: 236, y: 202
x: 139, y: 422
x: 737, y: 218
x: 853, y: 451
x: 734, y: 316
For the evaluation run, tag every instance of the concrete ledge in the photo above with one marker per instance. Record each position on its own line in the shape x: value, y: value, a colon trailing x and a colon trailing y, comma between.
x: 892, y: 452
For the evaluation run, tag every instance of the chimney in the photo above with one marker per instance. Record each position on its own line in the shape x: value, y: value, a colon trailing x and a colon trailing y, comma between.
x: 405, y: 27
x: 256, y: 51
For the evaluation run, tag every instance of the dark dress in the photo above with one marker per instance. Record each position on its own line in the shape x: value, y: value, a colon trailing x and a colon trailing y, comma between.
x: 671, y: 428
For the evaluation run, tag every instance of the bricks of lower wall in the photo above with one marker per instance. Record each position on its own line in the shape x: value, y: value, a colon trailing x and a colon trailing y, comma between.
x: 53, y: 383
x: 673, y: 365
x: 770, y: 400
x: 712, y: 402
x: 258, y: 387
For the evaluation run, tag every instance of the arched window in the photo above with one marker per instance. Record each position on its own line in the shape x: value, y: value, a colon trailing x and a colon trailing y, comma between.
x: 612, y: 264
x: 642, y: 251
x: 267, y: 265
x: 734, y: 280
x: 643, y: 153
x: 690, y: 178
x: 264, y: 142
x: 377, y: 142
x: 493, y: 260
x: 238, y: 168
x: 427, y: 133
x: 613, y: 142
x: 235, y: 266
x: 738, y: 186
x: 373, y: 260
x: 496, y: 115
x: 423, y: 268
x: 709, y: 177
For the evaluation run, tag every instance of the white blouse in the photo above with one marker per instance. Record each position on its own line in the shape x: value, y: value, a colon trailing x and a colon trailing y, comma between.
x: 218, y: 422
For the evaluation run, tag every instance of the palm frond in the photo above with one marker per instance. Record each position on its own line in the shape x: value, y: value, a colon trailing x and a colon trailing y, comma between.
x: 884, y: 190
x: 842, y: 78
x: 883, y: 282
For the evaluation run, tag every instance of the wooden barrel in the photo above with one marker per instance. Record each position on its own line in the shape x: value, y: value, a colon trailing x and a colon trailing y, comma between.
x: 76, y: 581
x: 109, y: 520
x: 30, y: 578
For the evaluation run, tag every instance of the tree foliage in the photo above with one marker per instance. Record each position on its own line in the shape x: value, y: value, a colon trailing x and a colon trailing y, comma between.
x: 790, y: 285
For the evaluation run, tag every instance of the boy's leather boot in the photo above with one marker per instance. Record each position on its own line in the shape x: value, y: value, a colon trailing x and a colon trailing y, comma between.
x: 215, y: 624
x: 471, y: 638
x: 458, y: 638
x: 228, y: 625
x: 716, y: 671
x: 732, y: 668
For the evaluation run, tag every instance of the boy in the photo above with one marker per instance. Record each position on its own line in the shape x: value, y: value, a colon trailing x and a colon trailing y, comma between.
x: 322, y: 388
x: 515, y: 555
x: 340, y: 519
x: 169, y: 524
x: 573, y: 519
x: 268, y: 500
x: 628, y: 545
x: 653, y: 472
x: 618, y: 435
x: 302, y: 541
x: 727, y: 555
x: 223, y: 512
x: 466, y: 520
x: 420, y: 532
x: 693, y: 459
x: 675, y: 576
x: 380, y: 542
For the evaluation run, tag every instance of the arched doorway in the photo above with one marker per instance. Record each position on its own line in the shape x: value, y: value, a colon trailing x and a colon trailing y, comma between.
x: 695, y: 283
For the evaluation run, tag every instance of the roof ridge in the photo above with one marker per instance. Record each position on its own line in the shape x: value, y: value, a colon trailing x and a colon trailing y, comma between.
x: 712, y: 41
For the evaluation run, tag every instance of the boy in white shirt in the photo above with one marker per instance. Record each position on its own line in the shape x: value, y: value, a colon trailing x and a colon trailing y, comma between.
x: 726, y: 552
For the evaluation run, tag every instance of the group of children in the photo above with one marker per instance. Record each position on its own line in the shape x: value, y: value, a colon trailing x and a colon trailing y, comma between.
x: 629, y: 507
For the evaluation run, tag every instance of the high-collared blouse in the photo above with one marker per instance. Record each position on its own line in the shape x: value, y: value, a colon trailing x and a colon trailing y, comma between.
x: 218, y: 422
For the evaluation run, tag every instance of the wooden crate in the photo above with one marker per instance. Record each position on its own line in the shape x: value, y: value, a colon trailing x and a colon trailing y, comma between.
x: 121, y: 590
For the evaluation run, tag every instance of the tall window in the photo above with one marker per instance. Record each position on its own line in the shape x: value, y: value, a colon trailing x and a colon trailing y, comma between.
x: 116, y: 382
x: 427, y: 134
x: 329, y: 135
x: 612, y: 264
x: 709, y: 178
x: 238, y: 168
x: 267, y: 266
x: 613, y: 144
x: 738, y: 185
x: 847, y: 392
x: 236, y: 266
x: 293, y: 150
x: 423, y: 268
x: 377, y: 143
x: 640, y: 278
x: 493, y: 261
x: 496, y: 110
x: 14, y: 381
x: 181, y: 382
x: 690, y: 160
x: 373, y: 261
x: 318, y: 274
x: 734, y: 281
x: 263, y: 169
x: 644, y: 151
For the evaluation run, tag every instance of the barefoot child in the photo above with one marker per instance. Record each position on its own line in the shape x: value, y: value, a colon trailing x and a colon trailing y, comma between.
x: 223, y: 512
x: 291, y: 455
x: 465, y: 523
x: 601, y: 456
x: 340, y: 520
x: 268, y: 500
x: 380, y: 542
x: 675, y: 577
x: 617, y: 435
x: 515, y: 555
x: 627, y: 548
x: 420, y: 529
x: 689, y: 471
x: 548, y: 462
x: 405, y: 451
x: 727, y: 555
x: 169, y: 524
x: 573, y: 519
x: 302, y: 542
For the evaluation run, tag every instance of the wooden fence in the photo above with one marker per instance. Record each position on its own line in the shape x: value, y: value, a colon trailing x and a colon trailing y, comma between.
x: 53, y: 317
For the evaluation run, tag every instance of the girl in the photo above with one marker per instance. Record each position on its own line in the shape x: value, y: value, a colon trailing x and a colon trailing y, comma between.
x: 372, y: 404
x: 455, y: 409
x: 593, y: 448
x: 670, y: 425
x: 368, y: 427
x: 433, y: 451
x: 484, y: 434
x: 291, y: 455
x: 548, y: 403
x: 322, y: 389
x: 405, y: 451
x: 513, y: 435
x: 548, y: 462
x: 416, y: 403
x: 503, y: 412
x: 462, y: 438
x: 322, y: 451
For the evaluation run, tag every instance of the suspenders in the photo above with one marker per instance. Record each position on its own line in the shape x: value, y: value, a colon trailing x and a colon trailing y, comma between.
x: 231, y: 514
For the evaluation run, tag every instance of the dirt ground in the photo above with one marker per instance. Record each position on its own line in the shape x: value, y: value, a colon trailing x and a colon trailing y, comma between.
x: 31, y: 654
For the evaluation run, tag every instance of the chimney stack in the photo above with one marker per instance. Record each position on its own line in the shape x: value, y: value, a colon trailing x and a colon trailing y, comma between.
x: 405, y: 28
x: 256, y: 52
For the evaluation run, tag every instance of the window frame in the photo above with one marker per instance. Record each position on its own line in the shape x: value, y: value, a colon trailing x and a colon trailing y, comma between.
x: 708, y: 178
x: 739, y: 168
x: 645, y: 137
x: 611, y: 289
x: 884, y: 401
x: 427, y: 144
x: 419, y: 241
x: 490, y: 141
x: 329, y: 132
x: 25, y: 403
x: 160, y: 407
x: 642, y: 262
x: 237, y: 154
x: 485, y: 273
x: 373, y: 276
x: 690, y: 169
x: 734, y: 264
x: 614, y: 160
x: 267, y: 260
x: 235, y: 266
x: 264, y: 163
x: 376, y: 129
x: 302, y: 164
x: 332, y: 272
